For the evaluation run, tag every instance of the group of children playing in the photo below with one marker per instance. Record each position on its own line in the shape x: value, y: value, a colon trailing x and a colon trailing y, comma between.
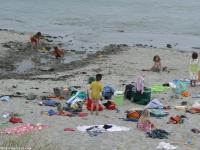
x: 144, y: 122
x: 35, y: 42
x: 194, y: 68
x: 96, y: 87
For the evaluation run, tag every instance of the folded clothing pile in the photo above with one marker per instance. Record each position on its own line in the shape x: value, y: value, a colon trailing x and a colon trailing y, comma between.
x: 177, y: 119
x: 158, y: 133
x: 158, y: 113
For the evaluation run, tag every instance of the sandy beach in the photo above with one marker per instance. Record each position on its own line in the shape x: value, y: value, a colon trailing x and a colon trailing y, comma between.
x: 118, y: 64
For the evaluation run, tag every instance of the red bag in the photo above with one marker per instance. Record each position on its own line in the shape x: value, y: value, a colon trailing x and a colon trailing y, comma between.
x: 15, y: 120
x: 112, y: 106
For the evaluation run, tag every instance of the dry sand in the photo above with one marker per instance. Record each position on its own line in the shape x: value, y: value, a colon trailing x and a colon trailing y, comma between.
x: 125, y: 65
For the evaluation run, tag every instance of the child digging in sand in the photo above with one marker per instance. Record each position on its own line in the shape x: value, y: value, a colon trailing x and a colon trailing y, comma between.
x: 96, y: 88
x: 144, y: 122
x: 194, y: 69
x: 157, y: 67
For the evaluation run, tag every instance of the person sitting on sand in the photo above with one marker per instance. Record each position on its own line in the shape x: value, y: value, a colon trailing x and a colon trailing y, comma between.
x: 35, y: 39
x: 157, y: 67
x: 144, y: 122
x: 96, y: 88
x: 194, y: 69
x: 58, y: 52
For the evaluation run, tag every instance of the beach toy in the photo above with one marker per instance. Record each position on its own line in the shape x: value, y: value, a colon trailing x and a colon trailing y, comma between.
x: 118, y: 97
x: 185, y: 94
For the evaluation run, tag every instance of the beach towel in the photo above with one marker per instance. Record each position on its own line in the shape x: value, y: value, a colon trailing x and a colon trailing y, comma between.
x: 24, y: 128
x: 158, y: 88
x: 113, y: 129
x: 166, y: 146
x: 155, y: 104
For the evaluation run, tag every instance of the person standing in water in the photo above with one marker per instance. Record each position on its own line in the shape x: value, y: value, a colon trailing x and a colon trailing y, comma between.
x: 58, y: 52
x: 35, y: 40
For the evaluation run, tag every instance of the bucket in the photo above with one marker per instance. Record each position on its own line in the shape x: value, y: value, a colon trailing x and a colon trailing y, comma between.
x: 142, y: 99
x: 119, y: 97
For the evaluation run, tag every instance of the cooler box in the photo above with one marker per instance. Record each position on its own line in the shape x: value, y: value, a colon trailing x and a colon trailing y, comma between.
x: 142, y: 99
x: 118, y: 97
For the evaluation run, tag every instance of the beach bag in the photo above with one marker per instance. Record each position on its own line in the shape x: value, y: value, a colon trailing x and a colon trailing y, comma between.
x: 107, y: 92
x: 110, y: 105
x: 133, y: 114
x: 15, y: 120
x: 128, y: 91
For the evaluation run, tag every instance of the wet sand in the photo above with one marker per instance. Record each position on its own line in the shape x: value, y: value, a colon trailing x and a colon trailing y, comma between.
x: 117, y: 68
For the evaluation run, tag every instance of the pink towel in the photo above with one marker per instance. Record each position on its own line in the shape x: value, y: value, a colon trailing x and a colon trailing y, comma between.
x: 24, y: 128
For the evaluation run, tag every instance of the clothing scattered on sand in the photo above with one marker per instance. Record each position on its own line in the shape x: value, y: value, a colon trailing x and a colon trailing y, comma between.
x: 5, y: 98
x: 180, y: 107
x: 51, y: 112
x: 177, y: 119
x: 50, y: 102
x: 194, y: 130
x: 95, y: 130
x: 69, y: 129
x: 158, y: 133
x: 129, y: 119
x: 158, y: 113
x: 166, y: 146
x: 15, y: 120
x: 155, y: 104
x: 24, y: 128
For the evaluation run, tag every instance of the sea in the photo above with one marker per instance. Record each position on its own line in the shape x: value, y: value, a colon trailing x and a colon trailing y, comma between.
x: 96, y: 23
